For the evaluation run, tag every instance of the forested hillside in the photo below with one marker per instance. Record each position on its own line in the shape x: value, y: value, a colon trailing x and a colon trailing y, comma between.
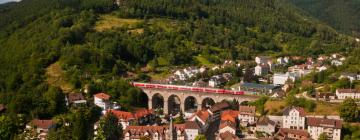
x: 35, y: 34
x: 343, y: 15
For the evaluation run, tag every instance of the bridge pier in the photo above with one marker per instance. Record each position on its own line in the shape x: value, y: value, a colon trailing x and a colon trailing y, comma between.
x: 166, y: 107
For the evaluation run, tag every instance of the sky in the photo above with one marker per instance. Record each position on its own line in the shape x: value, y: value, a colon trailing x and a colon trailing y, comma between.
x: 5, y: 1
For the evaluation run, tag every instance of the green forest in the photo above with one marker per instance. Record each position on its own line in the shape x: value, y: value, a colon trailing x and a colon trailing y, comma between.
x: 35, y: 34
x: 341, y: 14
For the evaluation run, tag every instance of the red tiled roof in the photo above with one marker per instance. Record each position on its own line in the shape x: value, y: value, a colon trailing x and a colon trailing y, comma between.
x: 142, y: 112
x: 228, y: 136
x: 219, y: 106
x: 102, y: 96
x: 191, y: 125
x: 228, y: 117
x: 122, y: 114
x: 202, y: 114
x: 348, y: 91
x: 44, y: 124
x: 294, y: 132
x: 224, y: 124
x: 247, y: 110
x: 299, y: 109
x: 322, y: 122
x: 180, y: 127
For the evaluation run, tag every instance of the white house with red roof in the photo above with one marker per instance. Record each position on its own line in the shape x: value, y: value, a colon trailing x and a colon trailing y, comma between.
x: 331, y: 127
x: 192, y: 129
x: 294, y: 118
x: 247, y: 114
x: 102, y: 100
x: 200, y: 116
x: 42, y: 127
x: 124, y: 117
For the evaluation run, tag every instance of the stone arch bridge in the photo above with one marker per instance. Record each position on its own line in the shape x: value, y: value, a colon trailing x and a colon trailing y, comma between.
x: 172, y: 98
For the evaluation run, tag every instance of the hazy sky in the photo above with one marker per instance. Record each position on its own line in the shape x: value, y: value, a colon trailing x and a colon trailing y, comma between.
x: 5, y: 1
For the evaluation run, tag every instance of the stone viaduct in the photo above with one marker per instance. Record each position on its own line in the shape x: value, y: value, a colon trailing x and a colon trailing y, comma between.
x: 173, y: 101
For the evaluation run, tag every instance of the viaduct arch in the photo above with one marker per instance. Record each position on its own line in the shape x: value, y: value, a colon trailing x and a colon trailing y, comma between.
x: 173, y: 101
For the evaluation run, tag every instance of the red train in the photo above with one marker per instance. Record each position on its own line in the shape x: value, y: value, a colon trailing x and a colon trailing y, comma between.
x: 187, y: 88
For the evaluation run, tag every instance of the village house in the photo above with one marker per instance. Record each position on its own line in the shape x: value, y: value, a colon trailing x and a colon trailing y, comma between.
x: 266, y: 125
x: 180, y: 74
x: 227, y: 126
x: 172, y: 132
x: 294, y: 118
x: 124, y: 118
x: 216, y: 110
x: 350, y: 76
x: 292, y: 134
x: 41, y: 126
x: 254, y: 88
x: 75, y: 99
x: 192, y: 129
x: 262, y: 59
x: 102, y: 100
x: 347, y: 93
x: 281, y: 79
x: 262, y: 69
x: 201, y: 117
x: 200, y: 83
x: 228, y: 136
x: 144, y: 116
x: 247, y: 114
x: 331, y: 127
x: 336, y: 62
x: 283, y: 60
x: 216, y: 80
x: 325, y: 96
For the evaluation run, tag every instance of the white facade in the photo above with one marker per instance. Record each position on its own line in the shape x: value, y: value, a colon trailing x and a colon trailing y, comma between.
x: 349, y: 94
x: 280, y: 79
x: 181, y: 74
x: 261, y: 70
x: 104, y: 104
x: 227, y: 128
x: 269, y: 128
x: 190, y: 134
x: 246, y: 118
x: 294, y: 120
x: 332, y: 133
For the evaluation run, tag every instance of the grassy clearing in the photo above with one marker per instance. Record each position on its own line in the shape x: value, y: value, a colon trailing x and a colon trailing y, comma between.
x: 54, y: 77
x: 107, y: 22
x: 203, y: 61
x: 322, y: 108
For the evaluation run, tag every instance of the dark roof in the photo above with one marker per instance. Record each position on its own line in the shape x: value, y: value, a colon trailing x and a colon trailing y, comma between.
x: 219, y: 106
x: 322, y: 122
x: 75, y: 97
x: 191, y: 125
x: 258, y: 86
x: 265, y: 121
x: 299, y: 109
x: 348, y: 90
